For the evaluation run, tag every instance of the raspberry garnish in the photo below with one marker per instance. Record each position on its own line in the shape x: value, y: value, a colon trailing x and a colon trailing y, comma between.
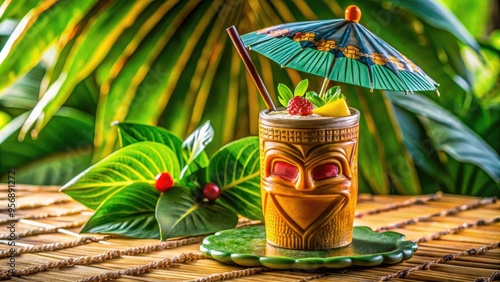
x: 299, y: 105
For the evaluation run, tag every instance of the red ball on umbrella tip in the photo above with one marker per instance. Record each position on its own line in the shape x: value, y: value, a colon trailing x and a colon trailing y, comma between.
x: 353, y: 13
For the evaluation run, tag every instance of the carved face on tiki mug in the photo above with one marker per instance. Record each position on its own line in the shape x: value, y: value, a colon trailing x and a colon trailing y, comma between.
x: 309, y: 180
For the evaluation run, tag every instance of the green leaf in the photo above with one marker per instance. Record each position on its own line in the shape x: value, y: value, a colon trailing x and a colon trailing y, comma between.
x: 461, y: 75
x: 332, y: 94
x: 42, y: 25
x: 4, y: 119
x: 301, y: 88
x: 130, y: 40
x: 16, y: 9
x: 450, y: 135
x: 282, y: 101
x: 179, y: 214
x: 381, y: 118
x: 55, y: 168
x: 315, y: 99
x: 22, y: 94
x: 200, y: 162
x: 83, y: 59
x: 474, y: 15
x: 159, y: 90
x: 121, y: 75
x: 64, y: 47
x: 469, y: 179
x: 56, y: 156
x: 55, y: 68
x: 136, y: 163
x: 195, y: 144
x: 7, y: 27
x: 130, y: 212
x: 436, y: 14
x: 235, y: 168
x: 432, y: 173
x: 131, y: 133
x: 285, y: 94
x: 371, y: 161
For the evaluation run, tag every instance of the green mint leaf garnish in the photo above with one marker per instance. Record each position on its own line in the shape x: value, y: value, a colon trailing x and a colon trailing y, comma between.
x: 301, y: 88
x: 283, y: 102
x: 285, y: 94
x: 315, y: 99
x: 332, y: 94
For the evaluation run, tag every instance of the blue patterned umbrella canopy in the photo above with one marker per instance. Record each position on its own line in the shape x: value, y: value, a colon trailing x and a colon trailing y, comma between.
x: 340, y: 50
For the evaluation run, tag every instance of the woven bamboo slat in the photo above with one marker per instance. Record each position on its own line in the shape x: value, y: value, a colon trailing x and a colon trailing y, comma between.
x: 458, y: 238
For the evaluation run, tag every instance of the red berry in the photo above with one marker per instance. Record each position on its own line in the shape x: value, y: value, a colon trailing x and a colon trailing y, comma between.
x: 299, y: 105
x: 164, y: 181
x: 211, y: 191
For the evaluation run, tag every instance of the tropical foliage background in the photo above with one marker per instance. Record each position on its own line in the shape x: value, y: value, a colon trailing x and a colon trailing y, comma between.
x: 69, y: 68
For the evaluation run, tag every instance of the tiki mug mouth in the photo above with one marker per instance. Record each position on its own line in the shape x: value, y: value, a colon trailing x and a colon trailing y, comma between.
x: 304, y: 211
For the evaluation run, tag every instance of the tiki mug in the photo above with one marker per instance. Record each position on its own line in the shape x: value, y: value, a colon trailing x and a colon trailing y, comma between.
x: 309, y: 180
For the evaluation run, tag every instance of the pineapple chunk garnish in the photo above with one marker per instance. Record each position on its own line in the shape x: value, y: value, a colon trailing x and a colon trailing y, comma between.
x: 337, y: 108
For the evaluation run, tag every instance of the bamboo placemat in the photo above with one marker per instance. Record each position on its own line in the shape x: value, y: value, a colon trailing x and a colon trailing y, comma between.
x: 458, y: 238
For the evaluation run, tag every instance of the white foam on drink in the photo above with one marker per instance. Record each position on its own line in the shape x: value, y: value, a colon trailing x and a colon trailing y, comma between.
x: 286, y: 115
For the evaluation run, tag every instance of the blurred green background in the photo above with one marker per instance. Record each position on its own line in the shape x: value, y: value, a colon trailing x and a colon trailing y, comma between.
x: 69, y: 68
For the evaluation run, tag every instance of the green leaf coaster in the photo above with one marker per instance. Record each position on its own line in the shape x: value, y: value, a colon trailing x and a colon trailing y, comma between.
x: 248, y: 247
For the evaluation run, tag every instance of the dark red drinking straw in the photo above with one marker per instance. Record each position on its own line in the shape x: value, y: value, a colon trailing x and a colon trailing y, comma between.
x: 235, y: 37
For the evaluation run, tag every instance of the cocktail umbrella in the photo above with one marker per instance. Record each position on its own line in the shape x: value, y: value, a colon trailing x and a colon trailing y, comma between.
x: 340, y: 50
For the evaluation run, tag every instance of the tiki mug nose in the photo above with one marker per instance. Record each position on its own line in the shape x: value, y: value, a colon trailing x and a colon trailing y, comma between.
x: 304, y: 182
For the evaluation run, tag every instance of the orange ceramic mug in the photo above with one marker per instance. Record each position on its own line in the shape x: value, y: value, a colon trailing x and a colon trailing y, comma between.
x: 309, y: 179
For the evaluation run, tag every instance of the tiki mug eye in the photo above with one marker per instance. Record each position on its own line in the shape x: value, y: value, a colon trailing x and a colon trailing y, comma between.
x: 285, y: 170
x: 324, y: 171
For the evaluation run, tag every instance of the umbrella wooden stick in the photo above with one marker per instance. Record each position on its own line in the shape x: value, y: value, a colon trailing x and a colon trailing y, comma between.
x: 323, y: 87
x: 235, y: 37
